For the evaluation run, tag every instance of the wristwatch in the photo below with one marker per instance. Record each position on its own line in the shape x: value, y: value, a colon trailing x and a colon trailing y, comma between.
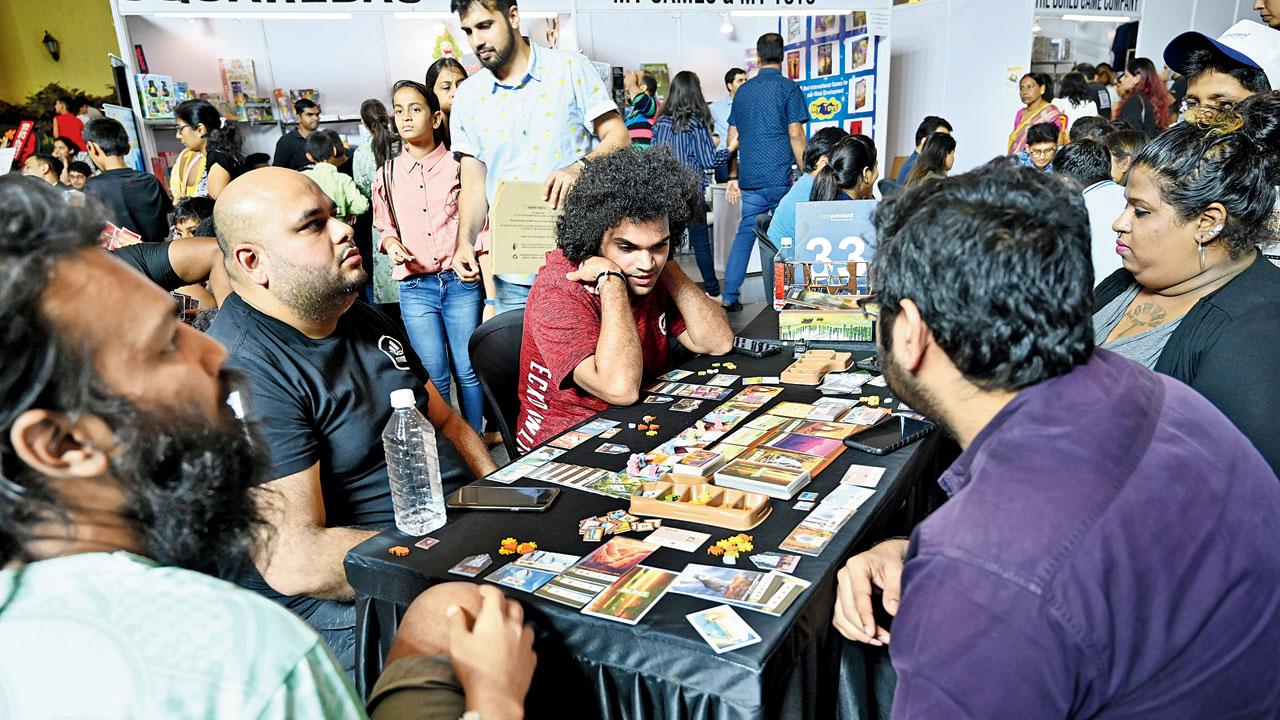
x: 581, y: 161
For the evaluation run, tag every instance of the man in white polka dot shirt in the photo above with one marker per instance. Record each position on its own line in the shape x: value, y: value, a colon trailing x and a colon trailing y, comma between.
x: 529, y: 115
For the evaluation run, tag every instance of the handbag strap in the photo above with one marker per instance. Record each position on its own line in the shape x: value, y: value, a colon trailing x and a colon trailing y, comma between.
x: 388, y: 171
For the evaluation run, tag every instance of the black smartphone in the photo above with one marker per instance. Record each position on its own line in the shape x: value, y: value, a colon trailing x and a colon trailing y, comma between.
x: 889, y: 435
x: 487, y: 497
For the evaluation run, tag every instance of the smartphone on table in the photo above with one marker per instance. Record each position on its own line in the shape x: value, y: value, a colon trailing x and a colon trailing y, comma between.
x: 488, y: 497
x: 890, y: 434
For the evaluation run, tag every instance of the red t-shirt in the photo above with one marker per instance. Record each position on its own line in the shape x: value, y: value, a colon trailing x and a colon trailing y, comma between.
x: 561, y: 327
x: 69, y: 126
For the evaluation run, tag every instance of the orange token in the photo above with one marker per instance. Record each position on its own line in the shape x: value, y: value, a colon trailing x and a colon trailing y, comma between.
x: 399, y: 551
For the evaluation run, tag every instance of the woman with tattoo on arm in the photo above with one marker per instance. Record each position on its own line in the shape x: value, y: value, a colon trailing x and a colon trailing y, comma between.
x: 1195, y: 299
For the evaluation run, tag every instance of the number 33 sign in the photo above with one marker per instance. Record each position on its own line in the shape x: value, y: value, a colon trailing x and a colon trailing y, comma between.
x: 834, y: 233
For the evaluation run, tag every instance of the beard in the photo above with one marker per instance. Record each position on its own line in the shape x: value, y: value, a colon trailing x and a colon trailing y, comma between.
x: 501, y: 54
x: 909, y: 390
x: 186, y: 480
x: 316, y: 294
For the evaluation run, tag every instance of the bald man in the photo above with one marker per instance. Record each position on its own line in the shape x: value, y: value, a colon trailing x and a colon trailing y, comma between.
x: 320, y: 367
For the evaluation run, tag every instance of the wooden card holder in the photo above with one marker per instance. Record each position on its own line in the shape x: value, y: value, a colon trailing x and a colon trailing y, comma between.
x: 814, y: 364
x: 725, y: 507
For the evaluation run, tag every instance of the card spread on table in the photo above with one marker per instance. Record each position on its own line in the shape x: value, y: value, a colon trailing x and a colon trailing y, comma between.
x: 804, y: 505
x: 791, y: 409
x: 613, y: 449
x: 597, y: 426
x: 761, y: 380
x: 570, y: 440
x: 544, y: 560
x: 426, y: 543
x: 472, y: 566
x: 628, y: 599
x: 520, y: 578
x: 865, y: 476
x: 675, y: 375
x: 677, y: 538
x: 771, y: 592
x: 723, y: 628
x: 611, y: 560
x: 776, y: 561
x: 686, y: 405
x: 723, y: 380
x: 610, y: 433
x: 658, y: 399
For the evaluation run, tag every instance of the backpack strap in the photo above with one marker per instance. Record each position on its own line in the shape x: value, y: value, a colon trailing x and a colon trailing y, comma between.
x: 388, y: 169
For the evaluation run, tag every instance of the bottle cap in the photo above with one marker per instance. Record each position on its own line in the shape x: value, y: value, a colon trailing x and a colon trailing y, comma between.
x: 401, y: 399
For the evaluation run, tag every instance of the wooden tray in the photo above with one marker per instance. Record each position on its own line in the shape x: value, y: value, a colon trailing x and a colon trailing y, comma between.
x: 727, y: 508
x: 814, y: 364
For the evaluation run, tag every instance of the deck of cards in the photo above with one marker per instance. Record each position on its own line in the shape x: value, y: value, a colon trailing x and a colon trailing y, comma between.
x: 595, y: 529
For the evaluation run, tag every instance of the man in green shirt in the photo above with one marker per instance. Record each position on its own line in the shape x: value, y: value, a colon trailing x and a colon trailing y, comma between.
x: 124, y: 476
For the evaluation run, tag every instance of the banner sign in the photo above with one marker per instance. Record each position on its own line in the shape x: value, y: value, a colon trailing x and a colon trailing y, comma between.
x: 1131, y: 8
x: 302, y: 7
x: 831, y: 234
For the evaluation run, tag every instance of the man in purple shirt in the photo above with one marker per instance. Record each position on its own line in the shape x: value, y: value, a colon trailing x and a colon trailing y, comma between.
x: 1111, y: 545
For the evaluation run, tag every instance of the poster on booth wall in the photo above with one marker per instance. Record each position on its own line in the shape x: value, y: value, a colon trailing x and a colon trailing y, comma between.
x: 862, y: 93
x: 857, y: 54
x: 826, y: 98
x: 793, y: 64
x: 796, y: 27
x: 826, y: 26
x: 824, y: 62
x: 125, y: 117
x: 157, y: 95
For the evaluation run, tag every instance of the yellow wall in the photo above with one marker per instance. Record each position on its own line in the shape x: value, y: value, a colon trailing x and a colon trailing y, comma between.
x: 85, y: 32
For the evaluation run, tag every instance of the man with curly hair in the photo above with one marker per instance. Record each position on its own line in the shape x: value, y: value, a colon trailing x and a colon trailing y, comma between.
x: 604, y: 308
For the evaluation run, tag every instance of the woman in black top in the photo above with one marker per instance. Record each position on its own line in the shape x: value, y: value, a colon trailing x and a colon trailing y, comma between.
x: 1147, y: 104
x: 1195, y: 299
x: 199, y: 124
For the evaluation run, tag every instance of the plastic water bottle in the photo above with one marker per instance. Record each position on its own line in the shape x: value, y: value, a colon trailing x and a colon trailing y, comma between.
x: 413, y: 467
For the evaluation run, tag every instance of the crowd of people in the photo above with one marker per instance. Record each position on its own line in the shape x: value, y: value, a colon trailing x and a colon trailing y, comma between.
x: 1098, y: 303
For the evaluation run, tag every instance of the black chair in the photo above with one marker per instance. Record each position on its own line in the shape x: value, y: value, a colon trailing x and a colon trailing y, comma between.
x: 495, y: 357
x: 888, y: 188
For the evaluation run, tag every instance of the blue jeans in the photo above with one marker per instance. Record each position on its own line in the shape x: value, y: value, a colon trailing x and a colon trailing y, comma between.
x: 509, y: 295
x: 701, y: 242
x: 440, y: 312
x: 754, y: 202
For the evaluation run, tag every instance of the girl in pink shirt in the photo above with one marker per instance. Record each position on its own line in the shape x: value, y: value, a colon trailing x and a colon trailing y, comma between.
x: 415, y: 207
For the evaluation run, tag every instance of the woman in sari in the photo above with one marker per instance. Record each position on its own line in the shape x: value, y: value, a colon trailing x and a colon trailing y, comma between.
x: 1036, y: 92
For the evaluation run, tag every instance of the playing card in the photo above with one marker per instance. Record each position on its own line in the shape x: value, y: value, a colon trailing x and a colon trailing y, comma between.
x: 657, y: 399
x: 865, y: 476
x: 570, y: 440
x: 686, y: 405
x: 776, y: 561
x: 723, y: 628
x: 677, y: 539
x: 597, y: 426
x: 804, y: 505
x: 520, y: 578
x: 472, y: 566
x: 610, y: 432
x: 807, y: 496
x: 675, y: 375
x: 426, y: 543
x: 723, y: 380
x: 613, y: 449
x: 761, y: 380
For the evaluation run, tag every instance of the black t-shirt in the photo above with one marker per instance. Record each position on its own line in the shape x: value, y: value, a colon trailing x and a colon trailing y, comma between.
x: 135, y: 200
x: 328, y: 401
x: 1140, y: 114
x: 291, y: 151
x: 1102, y: 98
x: 152, y: 260
x: 234, y: 167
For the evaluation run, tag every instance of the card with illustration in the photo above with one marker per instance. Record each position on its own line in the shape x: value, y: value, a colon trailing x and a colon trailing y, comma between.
x: 658, y: 399
x: 628, y: 599
x: 791, y: 409
x: 726, y: 584
x: 747, y: 436
x: 542, y: 455
x: 612, y: 559
x: 820, y: 428
x: 675, y: 375
x: 570, y: 440
x: 778, y: 458
x: 472, y: 566
x: 613, y: 449
x: 686, y: 405
x: 723, y: 628
x: 610, y: 433
x: 806, y: 540
x: 761, y: 380
x: 545, y: 560
x: 781, y: 562
x: 560, y: 590
x: 510, y: 473
x: 724, y: 380
x: 597, y: 426
x: 767, y: 422
x: 808, y: 444
x: 757, y: 395
x: 520, y: 578
x: 426, y: 543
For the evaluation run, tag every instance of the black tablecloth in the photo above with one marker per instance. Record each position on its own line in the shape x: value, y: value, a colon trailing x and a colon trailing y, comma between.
x: 659, y: 668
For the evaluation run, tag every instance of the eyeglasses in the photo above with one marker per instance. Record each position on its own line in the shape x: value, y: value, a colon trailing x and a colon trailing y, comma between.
x: 1042, y: 152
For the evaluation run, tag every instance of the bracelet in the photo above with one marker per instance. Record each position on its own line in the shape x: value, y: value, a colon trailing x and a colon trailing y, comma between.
x: 490, y: 301
x: 604, y: 273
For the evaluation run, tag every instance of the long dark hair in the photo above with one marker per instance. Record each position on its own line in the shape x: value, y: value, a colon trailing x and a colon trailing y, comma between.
x: 433, y: 73
x: 1152, y: 88
x: 933, y: 158
x: 1074, y: 88
x: 220, y: 137
x: 433, y: 104
x: 376, y: 120
x: 685, y: 102
x: 1225, y: 156
x: 846, y: 163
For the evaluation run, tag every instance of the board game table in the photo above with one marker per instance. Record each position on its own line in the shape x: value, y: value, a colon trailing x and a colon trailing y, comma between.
x: 659, y: 668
